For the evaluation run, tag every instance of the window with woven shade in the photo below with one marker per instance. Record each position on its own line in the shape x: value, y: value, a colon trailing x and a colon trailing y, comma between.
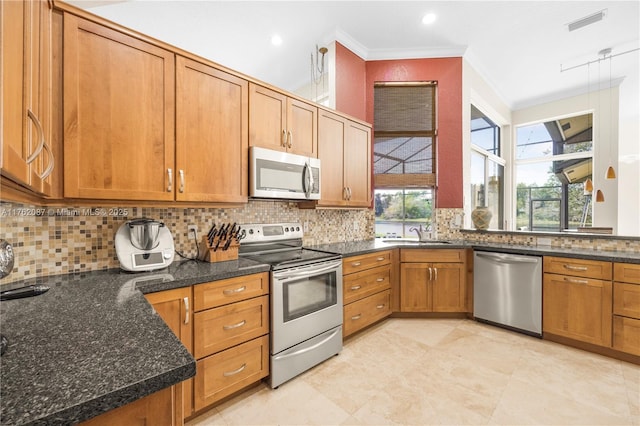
x: 404, y: 135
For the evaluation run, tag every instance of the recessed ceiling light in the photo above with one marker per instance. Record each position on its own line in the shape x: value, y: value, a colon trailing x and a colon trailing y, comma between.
x: 429, y: 18
x: 276, y: 40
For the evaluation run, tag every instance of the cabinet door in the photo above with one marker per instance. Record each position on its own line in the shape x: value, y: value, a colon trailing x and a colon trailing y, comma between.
x: 175, y: 308
x: 26, y: 94
x: 302, y: 128
x: 578, y: 308
x: 155, y: 409
x: 357, y: 157
x: 267, y: 118
x: 449, y: 288
x: 414, y: 287
x: 212, y: 142
x: 119, y: 115
x: 331, y: 135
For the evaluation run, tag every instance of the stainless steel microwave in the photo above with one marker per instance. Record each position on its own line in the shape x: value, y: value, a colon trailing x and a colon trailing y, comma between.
x: 275, y: 174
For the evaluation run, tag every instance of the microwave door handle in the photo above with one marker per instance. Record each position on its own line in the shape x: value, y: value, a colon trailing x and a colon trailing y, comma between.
x: 307, y: 180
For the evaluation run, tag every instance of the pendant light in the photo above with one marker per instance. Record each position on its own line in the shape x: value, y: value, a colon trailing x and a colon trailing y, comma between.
x: 588, y: 186
x: 610, y: 173
x: 599, y: 196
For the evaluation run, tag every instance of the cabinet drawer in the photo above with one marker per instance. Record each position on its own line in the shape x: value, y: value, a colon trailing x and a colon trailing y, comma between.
x: 626, y: 272
x: 224, y: 373
x: 219, y: 328
x: 218, y: 293
x: 578, y: 267
x: 365, y: 261
x: 431, y: 255
x: 626, y: 300
x: 365, y: 283
x: 364, y: 312
x: 626, y: 334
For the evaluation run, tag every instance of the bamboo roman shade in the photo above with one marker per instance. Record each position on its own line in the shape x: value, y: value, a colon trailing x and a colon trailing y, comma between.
x: 404, y: 134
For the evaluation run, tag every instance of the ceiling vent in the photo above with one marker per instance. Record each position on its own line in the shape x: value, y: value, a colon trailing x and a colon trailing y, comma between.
x: 587, y: 20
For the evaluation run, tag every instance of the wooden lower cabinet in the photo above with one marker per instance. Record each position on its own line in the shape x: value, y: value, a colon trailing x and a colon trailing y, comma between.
x: 156, y: 409
x: 577, y: 308
x: 226, y: 372
x: 429, y: 285
x: 626, y: 308
x: 364, y: 312
x: 626, y: 334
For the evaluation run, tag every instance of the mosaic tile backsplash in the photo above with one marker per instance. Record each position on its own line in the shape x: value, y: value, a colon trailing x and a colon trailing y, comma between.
x: 61, y: 240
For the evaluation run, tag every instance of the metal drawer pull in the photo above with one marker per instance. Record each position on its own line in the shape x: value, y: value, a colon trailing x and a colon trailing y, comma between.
x: 38, y: 150
x: 575, y: 268
x: 379, y: 306
x: 231, y: 327
x: 356, y: 317
x: 170, y: 185
x: 186, y: 310
x: 575, y: 281
x: 356, y: 264
x: 381, y: 258
x: 234, y: 372
x: 356, y: 287
x: 228, y: 292
x: 380, y: 280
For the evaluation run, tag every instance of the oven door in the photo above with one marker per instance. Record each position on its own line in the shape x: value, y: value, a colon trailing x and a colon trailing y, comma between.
x: 306, y: 301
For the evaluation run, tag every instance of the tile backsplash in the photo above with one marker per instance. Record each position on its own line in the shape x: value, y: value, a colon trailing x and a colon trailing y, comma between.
x: 60, y: 240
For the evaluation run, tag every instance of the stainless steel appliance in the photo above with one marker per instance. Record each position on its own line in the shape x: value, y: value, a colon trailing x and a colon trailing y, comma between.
x: 306, y: 298
x: 507, y: 291
x: 275, y: 174
x: 144, y: 245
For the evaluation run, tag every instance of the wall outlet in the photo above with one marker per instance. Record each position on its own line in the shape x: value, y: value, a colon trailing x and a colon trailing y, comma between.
x: 192, y: 231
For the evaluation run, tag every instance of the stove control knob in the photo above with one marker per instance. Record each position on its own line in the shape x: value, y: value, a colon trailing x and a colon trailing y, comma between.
x: 251, y: 231
x: 286, y: 229
x: 297, y: 228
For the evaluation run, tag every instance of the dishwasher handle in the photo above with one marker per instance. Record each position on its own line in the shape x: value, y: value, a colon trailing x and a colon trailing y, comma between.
x: 507, y: 258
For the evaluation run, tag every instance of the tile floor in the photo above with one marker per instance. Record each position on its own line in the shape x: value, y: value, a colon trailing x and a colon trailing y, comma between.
x: 444, y: 371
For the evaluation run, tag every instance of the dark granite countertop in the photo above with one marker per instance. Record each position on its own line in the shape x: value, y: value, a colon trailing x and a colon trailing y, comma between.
x: 93, y: 343
x: 354, y: 248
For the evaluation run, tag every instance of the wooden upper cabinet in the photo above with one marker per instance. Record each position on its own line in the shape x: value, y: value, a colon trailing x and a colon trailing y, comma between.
x: 212, y: 142
x: 281, y: 123
x: 119, y: 112
x: 344, y: 149
x: 26, y: 42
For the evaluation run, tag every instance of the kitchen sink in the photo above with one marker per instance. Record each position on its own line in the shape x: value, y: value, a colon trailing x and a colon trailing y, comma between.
x: 402, y: 241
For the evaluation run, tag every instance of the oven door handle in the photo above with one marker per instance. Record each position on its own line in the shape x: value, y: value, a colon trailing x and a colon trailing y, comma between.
x: 288, y: 275
x: 310, y: 348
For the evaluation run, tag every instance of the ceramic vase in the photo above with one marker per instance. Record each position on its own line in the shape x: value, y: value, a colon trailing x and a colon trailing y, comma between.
x: 481, y: 217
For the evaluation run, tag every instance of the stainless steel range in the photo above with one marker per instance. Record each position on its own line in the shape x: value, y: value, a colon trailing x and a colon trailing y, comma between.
x: 306, y: 298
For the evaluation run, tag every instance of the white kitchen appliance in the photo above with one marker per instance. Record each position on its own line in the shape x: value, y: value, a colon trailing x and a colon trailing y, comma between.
x: 144, y: 245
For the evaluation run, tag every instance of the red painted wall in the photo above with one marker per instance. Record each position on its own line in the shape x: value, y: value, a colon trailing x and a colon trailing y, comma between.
x: 351, y: 89
x: 448, y: 73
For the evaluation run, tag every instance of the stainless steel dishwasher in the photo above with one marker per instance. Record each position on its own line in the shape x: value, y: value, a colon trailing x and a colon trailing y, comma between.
x: 507, y: 291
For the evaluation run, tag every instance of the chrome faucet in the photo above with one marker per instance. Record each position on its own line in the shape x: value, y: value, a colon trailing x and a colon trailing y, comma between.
x: 419, y: 231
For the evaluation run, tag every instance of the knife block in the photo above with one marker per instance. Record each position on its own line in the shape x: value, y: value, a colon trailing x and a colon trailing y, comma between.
x: 208, y: 254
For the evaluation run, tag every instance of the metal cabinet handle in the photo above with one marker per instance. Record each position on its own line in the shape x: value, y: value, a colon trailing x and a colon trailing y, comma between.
x: 575, y: 281
x: 380, y: 280
x: 170, y: 185
x: 234, y: 372
x: 348, y: 193
x: 430, y: 274
x: 435, y: 274
x: 575, y: 268
x: 355, y: 264
x: 344, y: 193
x: 380, y: 306
x: 229, y: 292
x: 181, y: 180
x: 38, y: 150
x: 186, y: 310
x: 290, y: 144
x: 356, y: 317
x: 284, y: 138
x: 49, y: 168
x: 356, y: 287
x: 232, y: 326
x: 381, y: 258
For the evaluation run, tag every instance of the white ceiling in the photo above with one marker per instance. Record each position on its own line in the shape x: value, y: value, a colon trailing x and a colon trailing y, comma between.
x: 519, y: 47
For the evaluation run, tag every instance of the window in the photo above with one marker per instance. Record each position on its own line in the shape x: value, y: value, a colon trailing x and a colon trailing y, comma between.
x: 404, y: 156
x: 553, y: 160
x: 487, y: 167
